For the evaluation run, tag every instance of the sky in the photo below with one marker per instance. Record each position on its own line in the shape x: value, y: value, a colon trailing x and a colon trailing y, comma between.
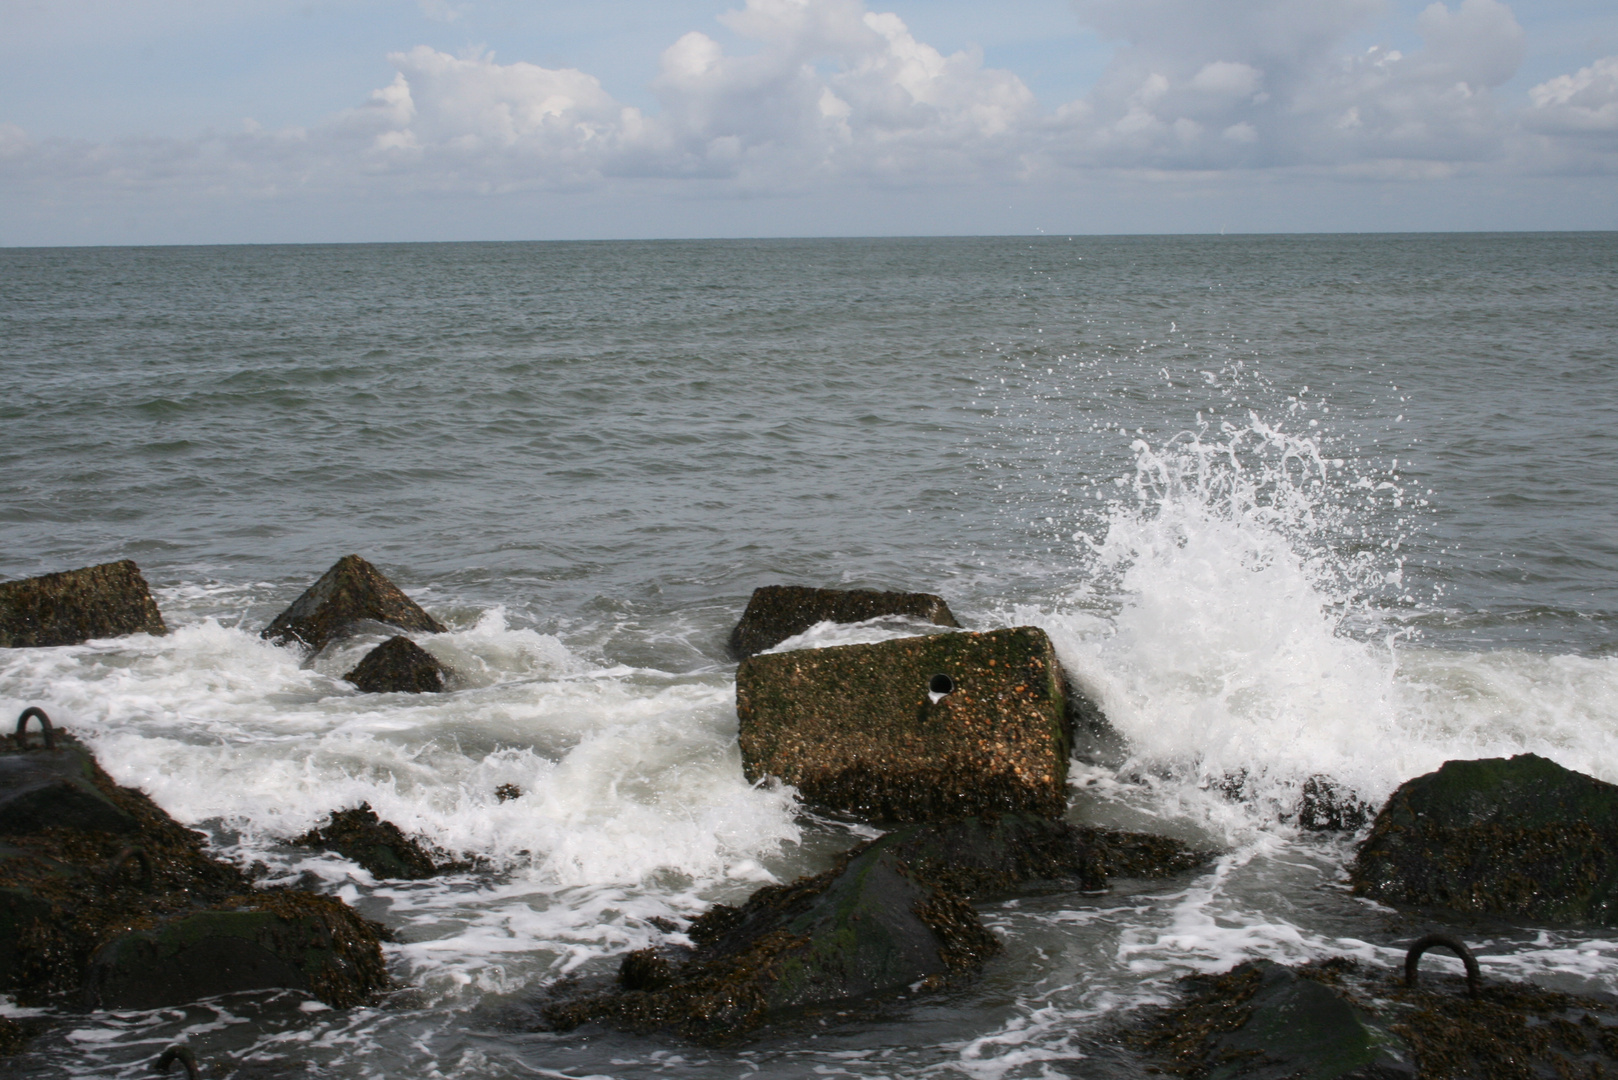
x: 297, y: 121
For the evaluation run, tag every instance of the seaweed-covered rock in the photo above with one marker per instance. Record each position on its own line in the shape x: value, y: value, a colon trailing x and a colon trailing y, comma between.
x: 1265, y: 1021
x: 893, y: 913
x: 41, y: 789
x: 1521, y: 836
x: 1338, y: 1020
x: 916, y: 729
x: 991, y: 855
x: 265, y: 941
x: 1326, y: 806
x: 377, y: 845
x: 74, y: 606
x: 399, y: 665
x: 351, y: 593
x: 71, y: 891
x: 777, y: 612
x: 865, y: 926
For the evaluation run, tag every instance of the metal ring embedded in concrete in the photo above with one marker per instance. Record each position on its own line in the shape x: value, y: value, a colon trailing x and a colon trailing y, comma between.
x: 184, y: 1056
x: 1474, y: 976
x: 34, y: 712
x: 941, y: 684
x: 123, y: 857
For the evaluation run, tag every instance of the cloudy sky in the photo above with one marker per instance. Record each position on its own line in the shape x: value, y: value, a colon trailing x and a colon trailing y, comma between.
x: 195, y: 121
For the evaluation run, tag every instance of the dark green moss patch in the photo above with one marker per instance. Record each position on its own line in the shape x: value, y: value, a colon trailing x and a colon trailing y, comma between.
x: 74, y: 606
x: 1520, y: 837
x: 1334, y: 1019
x: 857, y: 729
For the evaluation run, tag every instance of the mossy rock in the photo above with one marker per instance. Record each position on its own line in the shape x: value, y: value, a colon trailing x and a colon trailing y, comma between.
x: 867, y: 926
x: 777, y: 612
x: 42, y: 789
x: 1266, y: 1021
x: 74, y: 606
x: 68, y: 894
x: 379, y: 846
x: 398, y: 666
x: 289, y: 940
x: 352, y: 593
x: 1520, y: 836
x: 892, y: 914
x: 860, y: 729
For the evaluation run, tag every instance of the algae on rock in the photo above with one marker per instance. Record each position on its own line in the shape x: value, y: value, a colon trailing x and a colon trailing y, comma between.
x: 74, y: 606
x: 351, y: 593
x: 1521, y: 836
x: 892, y: 914
x: 777, y: 612
x: 864, y: 730
x: 139, y: 914
x: 379, y: 846
x: 398, y: 666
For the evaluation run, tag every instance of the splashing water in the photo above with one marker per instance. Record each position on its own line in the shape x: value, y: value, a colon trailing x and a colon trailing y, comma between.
x: 1241, y: 643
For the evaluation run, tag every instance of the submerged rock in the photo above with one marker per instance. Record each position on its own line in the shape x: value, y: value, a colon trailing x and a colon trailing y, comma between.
x: 74, y: 606
x: 1521, y: 836
x: 399, y: 665
x: 892, y: 914
x: 1338, y: 1020
x: 351, y: 593
x: 130, y: 915
x: 915, y: 729
x: 777, y: 612
x: 379, y: 846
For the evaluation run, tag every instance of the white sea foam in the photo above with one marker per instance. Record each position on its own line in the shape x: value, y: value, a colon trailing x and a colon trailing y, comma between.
x: 1229, y: 634
x: 625, y: 773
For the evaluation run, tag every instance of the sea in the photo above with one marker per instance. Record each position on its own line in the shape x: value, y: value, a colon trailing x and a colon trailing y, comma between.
x: 1287, y: 506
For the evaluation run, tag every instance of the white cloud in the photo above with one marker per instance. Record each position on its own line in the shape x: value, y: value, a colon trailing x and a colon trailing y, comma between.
x: 1257, y: 83
x: 1582, y: 104
x: 831, y: 92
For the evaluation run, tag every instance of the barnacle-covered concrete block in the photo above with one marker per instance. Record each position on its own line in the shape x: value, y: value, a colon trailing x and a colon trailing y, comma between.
x: 866, y: 730
x: 74, y: 606
x: 352, y: 592
x: 777, y: 612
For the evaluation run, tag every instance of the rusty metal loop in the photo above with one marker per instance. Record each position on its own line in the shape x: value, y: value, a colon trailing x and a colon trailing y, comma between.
x: 1474, y: 976
x: 184, y: 1056
x: 34, y: 712
x: 122, y: 859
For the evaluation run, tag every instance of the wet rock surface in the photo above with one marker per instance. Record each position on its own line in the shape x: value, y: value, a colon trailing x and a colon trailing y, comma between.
x: 379, y: 846
x: 351, y: 593
x: 56, y: 789
x: 893, y: 914
x: 1338, y: 1020
x: 1326, y: 806
x: 399, y: 665
x: 1518, y: 836
x: 777, y: 612
x: 140, y: 916
x: 75, y: 606
x: 860, y: 729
